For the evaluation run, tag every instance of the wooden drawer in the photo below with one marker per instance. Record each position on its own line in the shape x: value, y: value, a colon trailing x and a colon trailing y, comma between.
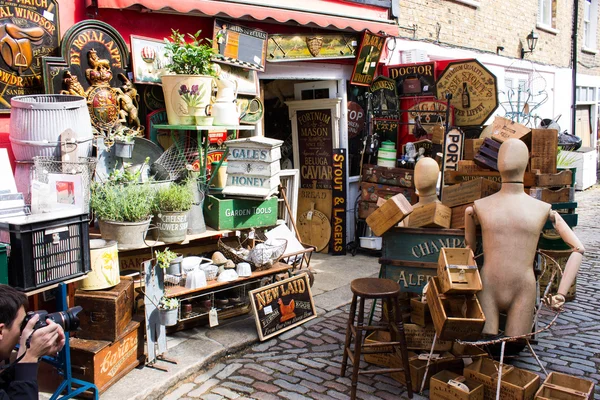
x: 106, y: 313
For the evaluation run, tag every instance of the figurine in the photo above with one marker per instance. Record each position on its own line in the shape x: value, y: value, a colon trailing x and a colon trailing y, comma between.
x: 511, y: 222
x: 127, y: 97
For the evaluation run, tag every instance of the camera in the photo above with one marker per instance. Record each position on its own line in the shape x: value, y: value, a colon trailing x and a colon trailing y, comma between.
x: 68, y: 319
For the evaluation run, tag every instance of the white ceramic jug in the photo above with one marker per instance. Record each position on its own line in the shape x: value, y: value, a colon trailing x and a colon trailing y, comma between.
x: 224, y: 113
x: 226, y: 90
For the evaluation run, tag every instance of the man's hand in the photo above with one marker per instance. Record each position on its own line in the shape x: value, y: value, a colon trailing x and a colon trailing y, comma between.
x: 46, y: 341
x: 555, y: 302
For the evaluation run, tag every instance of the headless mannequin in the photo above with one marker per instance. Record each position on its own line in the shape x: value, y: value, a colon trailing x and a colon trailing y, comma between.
x: 426, y: 177
x: 511, y: 222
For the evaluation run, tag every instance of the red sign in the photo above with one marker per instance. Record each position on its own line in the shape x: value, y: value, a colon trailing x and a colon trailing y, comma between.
x: 356, y: 119
x: 217, y: 137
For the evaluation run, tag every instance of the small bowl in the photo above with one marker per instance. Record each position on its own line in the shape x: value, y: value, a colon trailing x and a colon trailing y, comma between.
x: 204, y: 120
x: 227, y: 276
x: 244, y: 269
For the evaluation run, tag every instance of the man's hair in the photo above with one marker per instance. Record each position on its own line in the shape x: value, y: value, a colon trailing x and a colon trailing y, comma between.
x: 11, y: 300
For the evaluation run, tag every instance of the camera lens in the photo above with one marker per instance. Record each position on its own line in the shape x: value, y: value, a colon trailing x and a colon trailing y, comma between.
x: 67, y: 319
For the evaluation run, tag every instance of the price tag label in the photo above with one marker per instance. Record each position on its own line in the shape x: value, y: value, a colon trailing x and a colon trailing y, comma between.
x: 213, y: 319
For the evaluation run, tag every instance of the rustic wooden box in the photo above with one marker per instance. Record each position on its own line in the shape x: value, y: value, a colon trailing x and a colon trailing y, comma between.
x: 388, y: 176
x: 468, y: 192
x: 517, y: 384
x: 419, y: 313
x: 457, y: 220
x: 560, y: 179
x: 389, y: 214
x: 366, y: 208
x: 446, y: 361
x: 544, y: 147
x: 471, y: 148
x: 454, y: 177
x: 421, y: 338
x: 106, y: 313
x: 565, y: 387
x: 467, y: 166
x: 440, y: 389
x: 239, y: 213
x: 466, y: 350
x: 563, y: 195
x: 433, y: 215
x: 487, y: 156
x: 102, y: 362
x: 373, y: 192
x: 457, y: 271
x: 449, y: 317
x: 504, y: 129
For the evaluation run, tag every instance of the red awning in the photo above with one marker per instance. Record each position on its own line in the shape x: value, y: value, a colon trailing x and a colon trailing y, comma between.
x: 261, y: 13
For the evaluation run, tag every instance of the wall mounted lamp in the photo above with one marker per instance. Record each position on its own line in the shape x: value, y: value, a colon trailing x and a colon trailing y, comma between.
x: 532, y: 39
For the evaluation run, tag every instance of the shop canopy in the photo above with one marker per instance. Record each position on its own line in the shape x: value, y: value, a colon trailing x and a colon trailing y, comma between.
x: 325, y: 14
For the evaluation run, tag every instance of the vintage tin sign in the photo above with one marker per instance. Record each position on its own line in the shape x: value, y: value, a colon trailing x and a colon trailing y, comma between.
x: 413, y: 80
x: 368, y: 59
x: 454, y: 150
x: 30, y: 31
x: 474, y: 91
x: 338, y: 217
x: 315, y: 144
x: 310, y: 47
x: 386, y: 129
x: 384, y: 98
x: 239, y: 45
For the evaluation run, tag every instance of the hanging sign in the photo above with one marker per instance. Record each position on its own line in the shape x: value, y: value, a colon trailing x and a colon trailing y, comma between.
x: 29, y: 31
x: 310, y: 47
x: 282, y: 306
x: 474, y: 91
x: 240, y: 46
x: 413, y: 79
x: 315, y: 144
x: 356, y: 119
x: 453, y: 150
x: 384, y: 98
x: 338, y: 217
x: 386, y: 129
x: 368, y: 59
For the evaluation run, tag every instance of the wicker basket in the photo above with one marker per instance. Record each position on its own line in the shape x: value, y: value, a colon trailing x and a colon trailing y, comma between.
x: 260, y: 258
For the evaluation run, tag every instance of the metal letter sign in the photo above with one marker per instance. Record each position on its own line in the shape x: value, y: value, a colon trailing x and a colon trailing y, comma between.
x: 338, y: 216
x: 453, y: 150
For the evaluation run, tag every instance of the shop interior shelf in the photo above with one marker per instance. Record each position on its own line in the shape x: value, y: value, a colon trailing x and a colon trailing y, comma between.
x: 205, y: 127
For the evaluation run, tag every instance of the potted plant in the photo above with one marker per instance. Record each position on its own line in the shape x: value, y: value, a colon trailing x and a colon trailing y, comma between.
x: 167, y: 311
x: 169, y: 261
x: 188, y: 87
x: 171, y: 206
x: 123, y: 140
x: 123, y: 212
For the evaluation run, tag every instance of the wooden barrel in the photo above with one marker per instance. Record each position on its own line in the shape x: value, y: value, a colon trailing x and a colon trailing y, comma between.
x: 37, y: 121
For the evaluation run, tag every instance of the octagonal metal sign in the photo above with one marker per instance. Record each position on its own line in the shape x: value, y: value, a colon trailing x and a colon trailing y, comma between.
x: 474, y: 91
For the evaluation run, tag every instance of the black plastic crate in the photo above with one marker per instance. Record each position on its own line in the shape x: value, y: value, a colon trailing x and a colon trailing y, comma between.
x: 47, y: 248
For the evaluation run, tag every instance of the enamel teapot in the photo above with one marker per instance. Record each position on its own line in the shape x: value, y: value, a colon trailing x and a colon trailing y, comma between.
x: 224, y: 112
x: 226, y: 90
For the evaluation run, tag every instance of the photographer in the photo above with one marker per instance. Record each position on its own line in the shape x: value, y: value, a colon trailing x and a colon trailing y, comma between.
x: 19, y: 379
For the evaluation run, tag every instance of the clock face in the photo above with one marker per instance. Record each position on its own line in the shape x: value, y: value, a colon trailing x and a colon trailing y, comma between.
x: 314, y: 228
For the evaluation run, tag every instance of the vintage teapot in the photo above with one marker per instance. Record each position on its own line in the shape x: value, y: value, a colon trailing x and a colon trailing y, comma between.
x: 224, y: 112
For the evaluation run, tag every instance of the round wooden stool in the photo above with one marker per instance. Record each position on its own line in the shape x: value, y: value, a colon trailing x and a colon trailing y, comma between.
x: 387, y: 291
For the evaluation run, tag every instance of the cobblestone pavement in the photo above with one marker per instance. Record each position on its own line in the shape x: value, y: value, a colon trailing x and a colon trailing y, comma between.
x: 304, y: 363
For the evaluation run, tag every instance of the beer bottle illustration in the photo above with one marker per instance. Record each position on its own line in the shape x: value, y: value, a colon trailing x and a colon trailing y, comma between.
x: 466, y: 97
x: 367, y: 62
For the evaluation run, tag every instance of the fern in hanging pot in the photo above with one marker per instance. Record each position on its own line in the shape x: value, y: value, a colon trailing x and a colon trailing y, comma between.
x: 189, y: 85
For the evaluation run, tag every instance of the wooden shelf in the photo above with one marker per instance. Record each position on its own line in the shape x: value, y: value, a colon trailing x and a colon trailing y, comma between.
x: 177, y: 291
x: 206, y: 127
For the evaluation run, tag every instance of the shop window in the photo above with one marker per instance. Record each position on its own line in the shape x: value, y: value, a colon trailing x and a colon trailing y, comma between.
x: 590, y: 18
x: 546, y: 12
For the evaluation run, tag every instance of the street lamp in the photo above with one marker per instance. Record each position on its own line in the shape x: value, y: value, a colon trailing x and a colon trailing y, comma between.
x: 532, y: 39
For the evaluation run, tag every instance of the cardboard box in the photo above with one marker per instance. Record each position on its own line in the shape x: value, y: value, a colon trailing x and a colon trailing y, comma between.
x: 471, y: 148
x: 389, y: 214
x: 433, y: 215
x: 504, y: 129
x: 517, y: 384
x: 419, y: 313
x: 565, y: 387
x: 454, y: 317
x: 544, y: 147
x: 468, y: 192
x: 457, y: 271
x: 458, y: 216
x: 440, y: 389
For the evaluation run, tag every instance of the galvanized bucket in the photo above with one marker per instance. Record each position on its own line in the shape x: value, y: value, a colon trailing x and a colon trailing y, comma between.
x: 168, y: 317
x: 37, y: 121
x: 127, y: 234
x: 171, y: 226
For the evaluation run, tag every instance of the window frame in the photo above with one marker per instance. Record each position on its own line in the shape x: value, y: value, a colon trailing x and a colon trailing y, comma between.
x: 590, y: 25
x: 546, y: 8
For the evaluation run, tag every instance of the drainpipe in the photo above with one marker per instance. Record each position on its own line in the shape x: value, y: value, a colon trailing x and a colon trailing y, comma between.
x: 574, y: 72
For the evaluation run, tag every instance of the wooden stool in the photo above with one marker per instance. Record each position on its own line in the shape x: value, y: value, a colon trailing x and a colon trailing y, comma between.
x: 388, y: 291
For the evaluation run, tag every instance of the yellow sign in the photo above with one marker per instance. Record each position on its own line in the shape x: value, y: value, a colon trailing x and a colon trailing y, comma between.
x: 474, y: 91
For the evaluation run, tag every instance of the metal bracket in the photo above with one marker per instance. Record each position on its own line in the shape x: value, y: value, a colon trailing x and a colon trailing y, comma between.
x: 413, y: 29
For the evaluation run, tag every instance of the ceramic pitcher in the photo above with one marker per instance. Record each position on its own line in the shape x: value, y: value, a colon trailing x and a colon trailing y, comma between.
x: 226, y: 90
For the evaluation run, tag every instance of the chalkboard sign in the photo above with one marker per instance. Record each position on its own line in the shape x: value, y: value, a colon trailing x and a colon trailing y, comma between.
x: 315, y: 144
x: 239, y: 45
x: 283, y: 305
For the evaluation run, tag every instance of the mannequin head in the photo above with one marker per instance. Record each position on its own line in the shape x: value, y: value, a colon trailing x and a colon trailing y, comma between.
x: 426, y: 176
x: 512, y: 160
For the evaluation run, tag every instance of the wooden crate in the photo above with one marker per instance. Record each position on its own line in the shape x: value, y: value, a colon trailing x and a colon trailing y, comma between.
x: 468, y: 192
x: 454, y: 177
x: 373, y: 192
x: 433, y: 215
x: 366, y: 208
x: 389, y: 214
x: 102, y: 362
x: 517, y: 384
x: 457, y: 271
x: 569, y: 388
x: 388, y: 176
x: 449, y: 317
x: 457, y: 220
x: 560, y: 179
x: 487, y: 156
x: 544, y: 146
x: 466, y: 350
x: 504, y: 129
x: 563, y: 195
x: 106, y: 314
x: 419, y: 313
x: 440, y: 389
x: 467, y: 166
x: 421, y: 338
x: 418, y: 365
x: 471, y: 148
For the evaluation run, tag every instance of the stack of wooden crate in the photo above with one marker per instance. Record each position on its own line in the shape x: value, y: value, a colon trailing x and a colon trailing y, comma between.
x: 383, y: 183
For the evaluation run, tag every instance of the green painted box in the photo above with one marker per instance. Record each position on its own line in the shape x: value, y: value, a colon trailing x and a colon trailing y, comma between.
x: 233, y: 213
x: 3, y: 265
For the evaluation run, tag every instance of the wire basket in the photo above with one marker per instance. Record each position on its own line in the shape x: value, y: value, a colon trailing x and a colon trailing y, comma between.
x: 85, y: 166
x: 210, y: 270
x: 174, y: 161
x: 262, y: 257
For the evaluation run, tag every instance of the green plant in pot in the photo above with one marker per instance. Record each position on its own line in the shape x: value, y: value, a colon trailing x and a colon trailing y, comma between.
x: 123, y: 139
x: 188, y: 86
x: 171, y: 206
x: 167, y: 311
x: 169, y: 261
x: 123, y: 211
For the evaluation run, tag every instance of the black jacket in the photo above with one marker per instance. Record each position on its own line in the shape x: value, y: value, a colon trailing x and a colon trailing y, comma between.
x: 19, y: 382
